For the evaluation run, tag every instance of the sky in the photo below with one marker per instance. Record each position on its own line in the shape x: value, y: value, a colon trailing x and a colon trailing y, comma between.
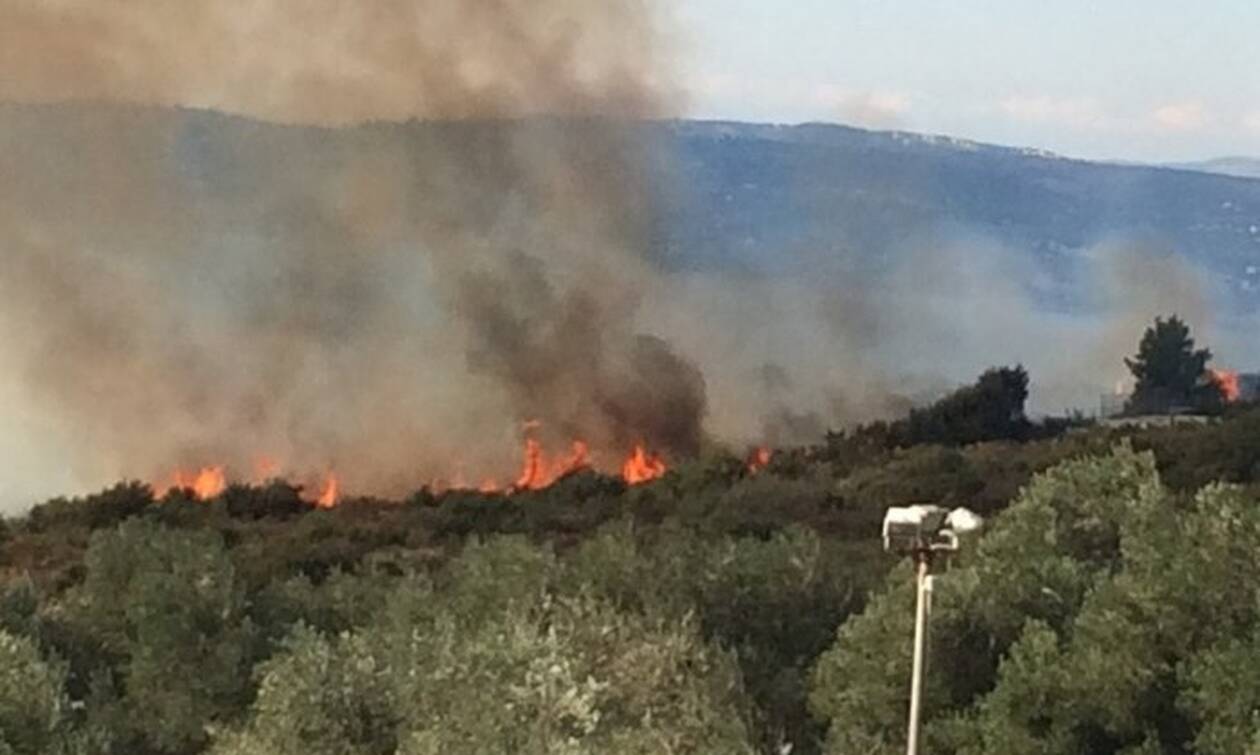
x: 1149, y: 80
x: 1146, y: 80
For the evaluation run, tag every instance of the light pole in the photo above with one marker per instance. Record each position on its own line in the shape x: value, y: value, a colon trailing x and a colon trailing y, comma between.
x: 923, y: 532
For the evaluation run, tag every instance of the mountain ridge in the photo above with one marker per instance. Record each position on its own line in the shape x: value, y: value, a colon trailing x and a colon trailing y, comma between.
x: 804, y: 199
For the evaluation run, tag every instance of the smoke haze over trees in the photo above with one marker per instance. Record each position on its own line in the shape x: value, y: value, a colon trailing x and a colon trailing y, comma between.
x: 398, y: 300
x: 722, y: 608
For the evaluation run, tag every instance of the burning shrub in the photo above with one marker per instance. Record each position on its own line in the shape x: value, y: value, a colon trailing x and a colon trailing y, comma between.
x: 1172, y: 375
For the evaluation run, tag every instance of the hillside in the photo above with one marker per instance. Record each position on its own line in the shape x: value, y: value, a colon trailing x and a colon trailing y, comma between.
x: 810, y: 187
x: 776, y: 200
x: 243, y: 623
x: 1242, y: 167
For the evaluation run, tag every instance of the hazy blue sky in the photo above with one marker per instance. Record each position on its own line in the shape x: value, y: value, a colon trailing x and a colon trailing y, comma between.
x: 1134, y: 79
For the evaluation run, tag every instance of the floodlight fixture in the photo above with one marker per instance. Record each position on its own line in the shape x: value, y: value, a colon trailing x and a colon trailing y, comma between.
x: 924, y: 531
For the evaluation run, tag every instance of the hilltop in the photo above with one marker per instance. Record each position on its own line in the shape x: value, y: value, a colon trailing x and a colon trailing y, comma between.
x: 773, y: 200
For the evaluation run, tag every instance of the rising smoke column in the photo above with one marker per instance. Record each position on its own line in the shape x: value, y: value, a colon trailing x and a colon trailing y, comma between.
x: 395, y: 301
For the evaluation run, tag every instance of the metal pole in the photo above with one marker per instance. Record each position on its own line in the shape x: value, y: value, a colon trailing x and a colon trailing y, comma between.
x: 923, y: 600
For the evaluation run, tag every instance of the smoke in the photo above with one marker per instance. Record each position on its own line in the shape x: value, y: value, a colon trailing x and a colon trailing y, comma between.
x: 327, y: 61
x: 791, y: 358
x: 399, y: 301
x: 394, y: 302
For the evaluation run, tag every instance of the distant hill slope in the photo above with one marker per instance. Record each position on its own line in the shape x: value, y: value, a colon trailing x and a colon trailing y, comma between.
x: 769, y: 188
x: 781, y: 200
x: 1242, y: 167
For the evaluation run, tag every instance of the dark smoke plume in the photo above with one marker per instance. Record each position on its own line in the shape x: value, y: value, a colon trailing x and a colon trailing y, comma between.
x: 480, y: 253
x: 393, y: 302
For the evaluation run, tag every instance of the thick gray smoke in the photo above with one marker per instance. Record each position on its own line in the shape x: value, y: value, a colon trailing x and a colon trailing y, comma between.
x: 182, y: 289
x: 329, y: 61
x: 399, y: 300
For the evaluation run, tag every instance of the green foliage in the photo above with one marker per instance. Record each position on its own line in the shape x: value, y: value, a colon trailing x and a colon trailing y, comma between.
x: 164, y: 605
x: 320, y: 697
x: 775, y: 603
x: 1038, y: 562
x: 1099, y: 615
x: 341, y: 602
x: 19, y: 603
x: 1222, y: 693
x: 276, y: 499
x: 33, y: 706
x: 255, y: 623
x: 492, y: 662
x: 992, y: 409
x: 105, y: 509
x: 1170, y: 372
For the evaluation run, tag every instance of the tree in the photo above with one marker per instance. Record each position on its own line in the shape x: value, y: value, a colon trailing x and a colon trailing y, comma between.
x: 1170, y: 372
x: 167, y: 605
x: 488, y: 660
x: 1002, y: 604
x: 991, y: 409
x: 32, y: 702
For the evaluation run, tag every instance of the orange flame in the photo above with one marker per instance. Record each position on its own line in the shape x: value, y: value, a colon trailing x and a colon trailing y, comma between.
x: 759, y: 459
x: 642, y: 466
x: 331, y: 493
x: 1227, y: 381
x: 537, y: 473
x: 205, y: 484
x: 539, y: 470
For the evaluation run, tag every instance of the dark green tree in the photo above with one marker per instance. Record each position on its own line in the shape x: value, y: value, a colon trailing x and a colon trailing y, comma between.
x: 1171, y: 373
x: 990, y: 409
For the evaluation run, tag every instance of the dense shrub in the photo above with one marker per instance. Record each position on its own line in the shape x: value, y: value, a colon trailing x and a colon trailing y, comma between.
x: 1100, y: 614
x: 33, y: 706
x: 105, y: 509
x: 164, y: 605
x: 160, y: 622
x: 493, y: 662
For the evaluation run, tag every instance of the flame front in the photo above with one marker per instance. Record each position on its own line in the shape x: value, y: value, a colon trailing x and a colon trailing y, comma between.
x: 759, y: 459
x: 205, y: 484
x: 539, y: 470
x: 1227, y: 381
x: 537, y: 473
x: 642, y: 466
x: 331, y: 493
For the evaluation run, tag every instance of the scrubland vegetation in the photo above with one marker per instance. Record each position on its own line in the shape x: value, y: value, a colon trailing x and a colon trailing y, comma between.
x: 1110, y: 606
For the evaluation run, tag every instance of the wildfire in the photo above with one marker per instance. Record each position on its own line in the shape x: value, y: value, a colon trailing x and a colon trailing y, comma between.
x: 642, y: 466
x: 206, y: 484
x: 1227, y: 380
x: 538, y: 472
x: 759, y: 459
x: 331, y: 493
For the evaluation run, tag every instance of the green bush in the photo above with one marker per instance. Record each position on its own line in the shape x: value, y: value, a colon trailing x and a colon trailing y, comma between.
x: 1038, y: 562
x: 533, y: 675
x: 33, y: 706
x: 1100, y: 614
x: 166, y: 608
